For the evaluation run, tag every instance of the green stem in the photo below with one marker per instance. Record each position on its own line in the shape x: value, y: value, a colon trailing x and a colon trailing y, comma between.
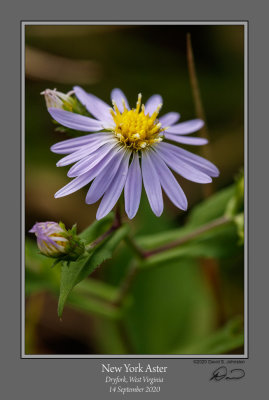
x: 188, y: 237
x: 135, y: 247
x: 199, y: 109
x: 125, y: 337
x: 126, y: 284
x: 100, y: 239
x: 116, y: 225
x: 142, y: 255
x: 211, y: 269
x: 195, y: 86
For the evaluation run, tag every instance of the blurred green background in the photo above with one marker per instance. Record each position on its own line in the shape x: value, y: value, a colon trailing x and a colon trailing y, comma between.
x: 184, y: 306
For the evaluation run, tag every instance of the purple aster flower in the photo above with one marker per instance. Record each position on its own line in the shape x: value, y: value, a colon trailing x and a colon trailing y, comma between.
x: 128, y: 147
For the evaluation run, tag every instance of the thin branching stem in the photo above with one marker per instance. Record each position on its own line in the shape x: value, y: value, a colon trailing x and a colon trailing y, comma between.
x: 188, y: 237
x: 126, y: 283
x: 116, y: 225
x: 199, y: 109
x: 211, y: 269
x: 131, y: 242
x: 134, y: 268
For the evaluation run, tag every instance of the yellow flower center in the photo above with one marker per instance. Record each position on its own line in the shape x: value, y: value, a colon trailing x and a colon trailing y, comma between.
x: 135, y: 129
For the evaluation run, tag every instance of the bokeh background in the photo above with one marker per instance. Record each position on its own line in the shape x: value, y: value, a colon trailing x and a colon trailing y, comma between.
x: 183, y: 307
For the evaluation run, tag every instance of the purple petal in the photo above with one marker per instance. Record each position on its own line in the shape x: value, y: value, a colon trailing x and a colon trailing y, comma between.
x: 169, y: 119
x: 181, y: 167
x: 184, y: 128
x: 84, y: 151
x: 78, y: 183
x: 195, y: 141
x: 75, y: 121
x: 115, y: 189
x: 192, y: 159
x: 87, y: 177
x: 98, y: 108
x: 152, y: 184
x: 133, y: 187
x: 71, y: 145
x: 117, y: 95
x: 93, y: 159
x: 169, y: 183
x: 152, y: 103
x: 103, y: 180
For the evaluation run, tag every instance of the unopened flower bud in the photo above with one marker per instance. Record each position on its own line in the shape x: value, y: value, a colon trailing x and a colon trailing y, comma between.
x: 53, y: 240
x: 55, y: 99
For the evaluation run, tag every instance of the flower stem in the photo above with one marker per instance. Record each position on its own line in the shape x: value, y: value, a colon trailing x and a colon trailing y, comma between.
x: 211, y: 269
x: 142, y: 255
x: 126, y: 283
x: 195, y: 86
x: 100, y: 238
x: 199, y: 109
x: 134, y: 246
x: 125, y: 337
x: 116, y: 225
x: 188, y: 237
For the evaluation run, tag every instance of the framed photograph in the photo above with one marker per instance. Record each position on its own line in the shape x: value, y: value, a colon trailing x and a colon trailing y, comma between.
x: 135, y: 245
x: 134, y: 200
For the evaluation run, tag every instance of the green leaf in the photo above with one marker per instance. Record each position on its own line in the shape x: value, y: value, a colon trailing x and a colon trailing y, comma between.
x: 103, y: 252
x: 208, y: 210
x: 225, y: 340
x: 171, y: 306
x: 95, y: 288
x: 96, y: 229
x: 211, y: 208
x: 219, y: 242
x: 93, y: 306
x: 39, y: 276
x: 77, y: 271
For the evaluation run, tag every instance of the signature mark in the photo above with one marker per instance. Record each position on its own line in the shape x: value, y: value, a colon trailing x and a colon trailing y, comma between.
x: 223, y: 373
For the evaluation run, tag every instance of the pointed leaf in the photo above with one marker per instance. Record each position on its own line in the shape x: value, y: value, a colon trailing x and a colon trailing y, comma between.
x: 77, y: 271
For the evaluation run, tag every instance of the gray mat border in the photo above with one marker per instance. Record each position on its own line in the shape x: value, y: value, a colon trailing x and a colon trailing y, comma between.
x: 76, y: 378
